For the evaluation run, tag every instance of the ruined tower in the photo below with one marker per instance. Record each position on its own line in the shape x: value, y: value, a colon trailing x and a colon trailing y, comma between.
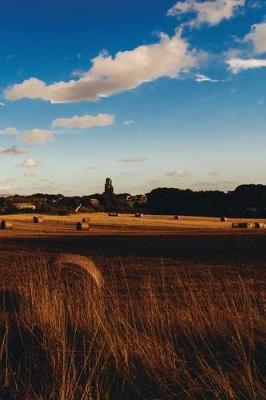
x: 108, y: 189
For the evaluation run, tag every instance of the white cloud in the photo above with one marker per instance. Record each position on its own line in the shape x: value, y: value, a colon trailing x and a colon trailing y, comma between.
x: 178, y: 173
x: 132, y: 159
x: 2, y: 104
x: 9, y: 131
x: 109, y: 75
x: 257, y: 36
x: 12, y: 151
x: 29, y: 174
x: 85, y: 121
x: 128, y: 122
x: 238, y: 64
x: 204, y: 78
x: 29, y: 163
x: 211, y: 12
x: 37, y: 136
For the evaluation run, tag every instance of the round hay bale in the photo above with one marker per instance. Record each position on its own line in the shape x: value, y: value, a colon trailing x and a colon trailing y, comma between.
x: 6, y: 225
x: 177, y: 217
x: 223, y: 219
x: 37, y: 220
x: 259, y: 225
x: 82, y: 226
x: 138, y: 215
x: 72, y: 262
x: 243, y: 225
x: 113, y: 214
x: 86, y: 220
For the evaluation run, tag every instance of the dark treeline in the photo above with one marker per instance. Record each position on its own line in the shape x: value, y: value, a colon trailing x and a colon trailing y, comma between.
x: 245, y: 200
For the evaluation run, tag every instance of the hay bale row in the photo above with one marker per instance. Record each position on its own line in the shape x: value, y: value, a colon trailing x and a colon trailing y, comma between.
x: 5, y: 225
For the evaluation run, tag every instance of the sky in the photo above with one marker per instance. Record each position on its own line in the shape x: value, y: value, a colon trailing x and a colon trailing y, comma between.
x: 160, y: 93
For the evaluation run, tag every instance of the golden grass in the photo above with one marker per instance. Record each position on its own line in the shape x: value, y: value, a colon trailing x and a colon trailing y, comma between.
x: 101, y: 223
x: 192, y: 334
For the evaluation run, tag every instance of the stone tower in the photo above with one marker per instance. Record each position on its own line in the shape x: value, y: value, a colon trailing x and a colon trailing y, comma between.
x: 108, y: 189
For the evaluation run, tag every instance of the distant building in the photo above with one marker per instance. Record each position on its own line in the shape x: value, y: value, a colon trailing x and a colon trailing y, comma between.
x: 108, y: 189
x: 25, y: 206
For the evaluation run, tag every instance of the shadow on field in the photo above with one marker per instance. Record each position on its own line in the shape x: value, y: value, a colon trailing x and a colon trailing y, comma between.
x: 22, y: 350
x: 235, y: 248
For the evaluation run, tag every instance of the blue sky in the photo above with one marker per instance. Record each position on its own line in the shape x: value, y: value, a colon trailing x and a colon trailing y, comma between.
x: 162, y: 93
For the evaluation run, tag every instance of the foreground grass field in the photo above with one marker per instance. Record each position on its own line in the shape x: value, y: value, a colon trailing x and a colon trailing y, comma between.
x: 181, y: 315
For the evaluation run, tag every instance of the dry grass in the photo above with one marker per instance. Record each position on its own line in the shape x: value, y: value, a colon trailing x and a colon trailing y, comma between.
x: 100, y: 223
x: 188, y: 334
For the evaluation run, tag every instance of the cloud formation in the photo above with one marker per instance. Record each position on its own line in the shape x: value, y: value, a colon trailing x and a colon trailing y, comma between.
x: 37, y: 136
x: 128, y: 122
x: 238, y: 64
x: 203, y: 78
x: 132, y: 159
x: 178, y: 173
x: 29, y: 163
x: 257, y: 37
x: 12, y: 151
x: 109, y: 75
x: 85, y: 121
x: 210, y: 12
x: 9, y: 131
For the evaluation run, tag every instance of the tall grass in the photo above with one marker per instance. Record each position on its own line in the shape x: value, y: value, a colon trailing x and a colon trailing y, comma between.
x: 191, y: 335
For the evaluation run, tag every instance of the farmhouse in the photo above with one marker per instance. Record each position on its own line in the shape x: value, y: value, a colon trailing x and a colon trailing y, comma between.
x: 25, y: 206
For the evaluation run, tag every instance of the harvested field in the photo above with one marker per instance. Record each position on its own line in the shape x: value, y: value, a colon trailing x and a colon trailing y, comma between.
x: 181, y: 314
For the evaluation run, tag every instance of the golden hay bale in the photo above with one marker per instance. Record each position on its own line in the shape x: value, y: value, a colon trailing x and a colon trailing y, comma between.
x: 86, y: 220
x: 82, y: 226
x: 84, y: 264
x: 138, y: 215
x: 223, y: 219
x: 259, y: 225
x: 37, y: 220
x: 5, y: 225
x: 243, y: 225
x: 177, y: 217
x: 113, y: 214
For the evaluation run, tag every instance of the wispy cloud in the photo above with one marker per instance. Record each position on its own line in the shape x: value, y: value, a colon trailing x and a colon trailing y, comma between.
x: 177, y: 173
x: 128, y: 122
x: 210, y: 12
x: 204, y: 78
x: 132, y: 159
x: 109, y: 75
x: 9, y: 131
x: 238, y: 64
x: 85, y: 121
x: 29, y: 174
x: 29, y: 163
x: 37, y: 136
x: 12, y: 151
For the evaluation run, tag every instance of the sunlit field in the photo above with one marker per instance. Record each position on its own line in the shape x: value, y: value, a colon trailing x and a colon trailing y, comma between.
x: 102, y: 223
x: 180, y: 315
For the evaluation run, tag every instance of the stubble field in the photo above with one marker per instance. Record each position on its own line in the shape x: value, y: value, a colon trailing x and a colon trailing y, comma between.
x: 181, y: 314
